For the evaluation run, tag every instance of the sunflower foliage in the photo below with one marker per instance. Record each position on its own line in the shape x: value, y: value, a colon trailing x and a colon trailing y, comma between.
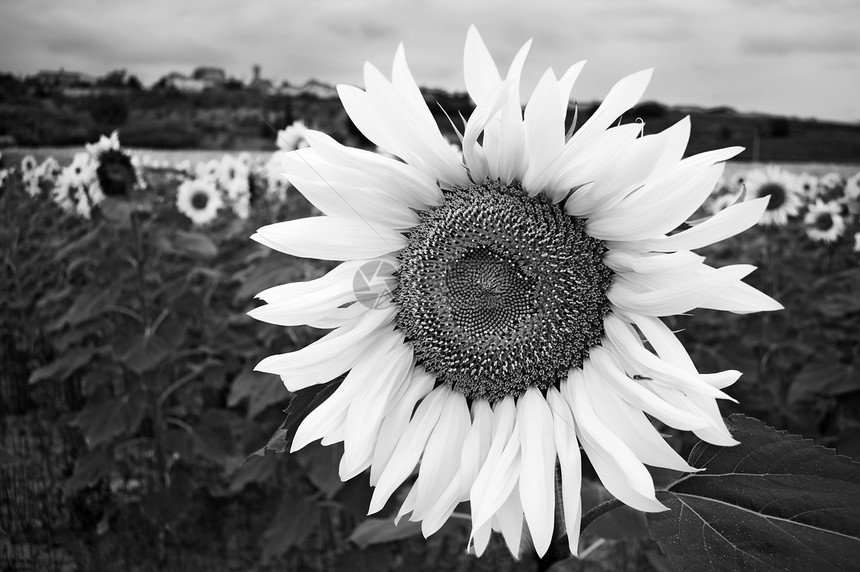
x: 137, y: 311
x: 137, y: 306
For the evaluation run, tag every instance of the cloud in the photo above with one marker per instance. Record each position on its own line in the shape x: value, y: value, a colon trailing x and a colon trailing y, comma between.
x: 799, y: 44
x: 365, y: 30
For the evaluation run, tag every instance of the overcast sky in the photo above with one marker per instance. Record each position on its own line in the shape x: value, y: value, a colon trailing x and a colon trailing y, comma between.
x: 793, y: 57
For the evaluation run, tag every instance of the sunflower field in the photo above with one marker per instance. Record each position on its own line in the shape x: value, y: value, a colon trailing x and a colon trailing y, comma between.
x: 136, y: 434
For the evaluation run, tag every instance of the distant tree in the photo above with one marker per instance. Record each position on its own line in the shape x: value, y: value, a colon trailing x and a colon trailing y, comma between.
x: 234, y: 84
x: 109, y: 110
x: 779, y: 127
x: 134, y: 83
x: 116, y: 78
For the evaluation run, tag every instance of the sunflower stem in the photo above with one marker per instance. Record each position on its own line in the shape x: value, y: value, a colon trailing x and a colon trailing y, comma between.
x: 598, y: 511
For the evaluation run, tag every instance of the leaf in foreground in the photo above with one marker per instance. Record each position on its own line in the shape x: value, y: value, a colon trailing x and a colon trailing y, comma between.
x: 774, y: 502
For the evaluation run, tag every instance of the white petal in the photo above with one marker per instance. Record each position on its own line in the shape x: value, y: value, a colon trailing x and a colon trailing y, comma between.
x: 681, y: 297
x: 570, y: 463
x: 409, y: 448
x: 329, y: 356
x: 474, y: 453
x: 629, y: 348
x: 479, y: 68
x: 716, y: 432
x: 485, y: 112
x: 397, y: 180
x: 631, y: 426
x: 619, y: 470
x: 726, y: 223
x: 637, y: 394
x: 385, y: 373
x: 501, y: 470
x: 480, y: 537
x: 742, y: 298
x: 537, y: 473
x: 330, y: 238
x: 395, y: 423
x: 442, y: 454
x: 676, y: 197
x: 622, y: 261
x: 544, y: 127
x: 510, y: 520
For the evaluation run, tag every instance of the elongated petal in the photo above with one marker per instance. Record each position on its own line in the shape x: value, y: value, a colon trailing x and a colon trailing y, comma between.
x: 410, y: 447
x: 500, y: 471
x: 537, y: 473
x: 330, y: 238
x: 619, y: 470
x: 379, y: 384
x: 570, y: 463
x: 442, y: 454
x: 726, y: 223
x: 329, y: 356
x: 396, y: 421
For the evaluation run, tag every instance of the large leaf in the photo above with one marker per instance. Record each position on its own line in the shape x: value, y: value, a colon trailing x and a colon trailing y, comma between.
x: 293, y: 523
x: 262, y: 390
x: 101, y: 421
x: 89, y: 468
x: 67, y: 364
x: 774, y: 502
x: 379, y: 530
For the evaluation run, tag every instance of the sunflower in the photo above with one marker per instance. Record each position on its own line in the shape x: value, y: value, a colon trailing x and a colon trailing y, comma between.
x: 513, y: 285
x: 292, y: 137
x: 824, y: 222
x: 780, y: 187
x: 199, y: 200
x: 807, y: 185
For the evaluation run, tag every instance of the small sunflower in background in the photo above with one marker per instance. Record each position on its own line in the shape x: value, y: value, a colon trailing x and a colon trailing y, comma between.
x: 780, y: 187
x: 851, y: 197
x: 807, y: 185
x: 824, y: 222
x: 514, y: 286
x: 292, y: 137
x: 199, y: 200
x: 115, y: 171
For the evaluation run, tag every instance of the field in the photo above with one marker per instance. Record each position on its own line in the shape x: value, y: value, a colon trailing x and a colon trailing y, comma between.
x: 134, y: 432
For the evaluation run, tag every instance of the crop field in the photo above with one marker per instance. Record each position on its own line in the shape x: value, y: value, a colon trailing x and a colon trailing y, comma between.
x: 132, y: 418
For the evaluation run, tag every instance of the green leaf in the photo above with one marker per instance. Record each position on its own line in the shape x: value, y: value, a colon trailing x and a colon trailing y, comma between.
x: 255, y: 470
x: 321, y: 466
x: 774, y: 502
x: 190, y: 244
x: 380, y: 530
x: 67, y: 364
x: 142, y: 354
x: 213, y: 436
x: 102, y: 421
x: 293, y: 523
x: 262, y: 390
x: 88, y: 469
x: 826, y: 377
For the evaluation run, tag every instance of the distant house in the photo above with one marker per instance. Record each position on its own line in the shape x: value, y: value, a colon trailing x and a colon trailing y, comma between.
x: 61, y: 79
x: 312, y: 88
x: 201, y: 79
x: 259, y: 83
x: 214, y: 77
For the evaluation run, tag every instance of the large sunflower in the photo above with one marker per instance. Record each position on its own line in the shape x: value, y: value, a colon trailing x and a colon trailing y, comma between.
x: 525, y: 274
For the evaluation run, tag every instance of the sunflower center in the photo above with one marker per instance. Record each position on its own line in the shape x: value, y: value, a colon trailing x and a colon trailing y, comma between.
x: 776, y: 193
x: 499, y: 292
x: 824, y: 221
x: 199, y: 201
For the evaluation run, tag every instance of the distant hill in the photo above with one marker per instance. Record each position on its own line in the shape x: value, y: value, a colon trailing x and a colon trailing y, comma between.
x: 241, y: 117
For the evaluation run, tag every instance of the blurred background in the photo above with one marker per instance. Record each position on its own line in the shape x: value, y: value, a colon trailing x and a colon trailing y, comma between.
x: 134, y: 434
